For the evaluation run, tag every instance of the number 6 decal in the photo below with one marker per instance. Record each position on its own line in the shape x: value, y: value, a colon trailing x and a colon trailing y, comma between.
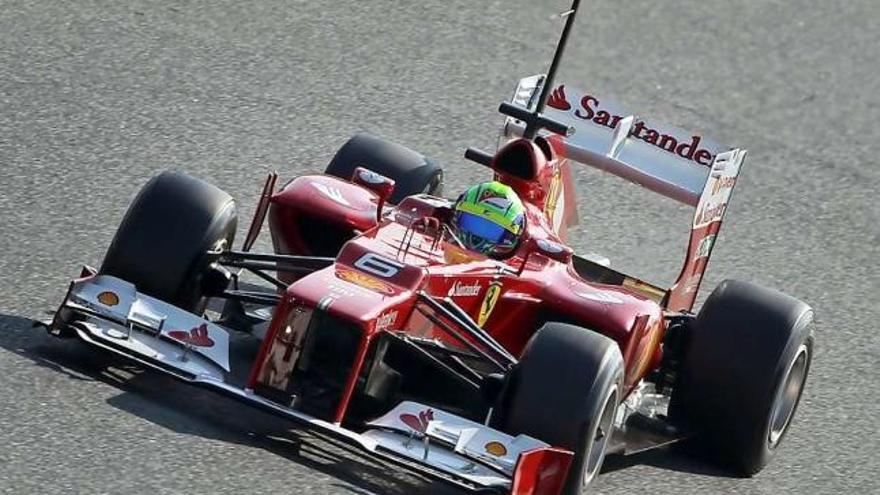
x: 378, y: 265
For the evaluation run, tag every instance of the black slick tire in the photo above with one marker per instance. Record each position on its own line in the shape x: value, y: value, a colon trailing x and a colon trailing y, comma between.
x: 412, y: 172
x: 565, y: 391
x: 745, y: 365
x: 162, y: 242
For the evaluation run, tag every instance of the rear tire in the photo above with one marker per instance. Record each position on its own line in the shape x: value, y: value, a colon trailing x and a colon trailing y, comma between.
x: 162, y: 242
x: 565, y: 391
x: 745, y: 366
x: 412, y: 172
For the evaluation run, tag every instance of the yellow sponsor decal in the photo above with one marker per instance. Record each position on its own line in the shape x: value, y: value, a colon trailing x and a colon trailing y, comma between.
x: 492, y: 295
x: 550, y: 204
x: 364, y: 281
x: 496, y: 448
x: 108, y: 298
x: 455, y: 255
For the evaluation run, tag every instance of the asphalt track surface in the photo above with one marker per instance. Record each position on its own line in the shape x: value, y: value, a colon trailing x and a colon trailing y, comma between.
x: 96, y: 97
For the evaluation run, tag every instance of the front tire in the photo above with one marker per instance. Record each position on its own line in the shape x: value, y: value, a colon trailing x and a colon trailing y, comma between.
x: 162, y: 243
x: 745, y: 366
x: 412, y: 172
x: 565, y: 391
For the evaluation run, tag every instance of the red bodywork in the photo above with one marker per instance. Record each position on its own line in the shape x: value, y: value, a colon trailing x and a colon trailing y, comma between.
x: 509, y: 298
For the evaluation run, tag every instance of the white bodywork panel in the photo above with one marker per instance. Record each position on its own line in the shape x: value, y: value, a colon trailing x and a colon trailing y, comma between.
x: 149, y: 326
x: 460, y: 435
x: 665, y: 159
x: 716, y: 195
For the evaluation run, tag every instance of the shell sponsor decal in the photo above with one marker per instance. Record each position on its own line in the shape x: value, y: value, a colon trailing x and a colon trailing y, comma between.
x: 496, y: 448
x: 364, y: 280
x: 493, y: 293
x: 418, y: 423
x: 197, y: 336
x: 108, y: 298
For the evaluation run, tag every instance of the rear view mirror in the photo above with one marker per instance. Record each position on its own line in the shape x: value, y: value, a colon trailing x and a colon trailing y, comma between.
x: 378, y: 183
x: 554, y: 250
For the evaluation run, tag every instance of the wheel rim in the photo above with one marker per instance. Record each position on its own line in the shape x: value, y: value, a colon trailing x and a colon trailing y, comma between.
x: 597, y: 442
x: 788, y: 396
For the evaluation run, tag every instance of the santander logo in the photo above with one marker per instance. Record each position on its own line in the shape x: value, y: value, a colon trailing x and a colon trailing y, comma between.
x: 590, y: 109
x: 460, y: 289
x: 557, y: 99
x: 418, y: 423
x: 197, y: 336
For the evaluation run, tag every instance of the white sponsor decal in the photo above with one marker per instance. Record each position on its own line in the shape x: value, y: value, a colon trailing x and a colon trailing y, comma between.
x: 602, y: 297
x: 714, y: 199
x: 460, y: 289
x: 386, y: 321
x: 331, y: 193
x: 378, y: 265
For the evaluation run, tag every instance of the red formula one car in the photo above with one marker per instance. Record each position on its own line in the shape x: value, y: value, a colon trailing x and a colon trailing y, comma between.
x: 380, y: 326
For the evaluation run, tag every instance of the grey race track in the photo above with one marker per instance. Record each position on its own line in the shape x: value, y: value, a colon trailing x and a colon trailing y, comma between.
x: 95, y: 97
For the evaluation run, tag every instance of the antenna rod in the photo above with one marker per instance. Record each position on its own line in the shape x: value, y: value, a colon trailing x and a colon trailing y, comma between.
x: 557, y: 57
x: 533, y: 119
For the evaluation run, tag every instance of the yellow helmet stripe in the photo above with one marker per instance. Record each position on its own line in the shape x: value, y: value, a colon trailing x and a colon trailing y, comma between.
x: 490, y: 214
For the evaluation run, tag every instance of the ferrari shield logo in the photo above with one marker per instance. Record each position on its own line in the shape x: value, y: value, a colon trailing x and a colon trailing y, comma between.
x: 492, y: 295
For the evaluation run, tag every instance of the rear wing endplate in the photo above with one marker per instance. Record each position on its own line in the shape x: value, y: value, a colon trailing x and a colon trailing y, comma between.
x: 684, y: 166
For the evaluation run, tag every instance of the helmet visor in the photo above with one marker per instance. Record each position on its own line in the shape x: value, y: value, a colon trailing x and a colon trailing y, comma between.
x: 481, y: 227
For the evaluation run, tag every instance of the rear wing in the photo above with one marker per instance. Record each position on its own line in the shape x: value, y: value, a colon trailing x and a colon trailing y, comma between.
x: 684, y: 166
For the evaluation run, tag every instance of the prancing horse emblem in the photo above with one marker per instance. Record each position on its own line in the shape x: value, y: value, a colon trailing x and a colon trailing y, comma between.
x: 492, y: 295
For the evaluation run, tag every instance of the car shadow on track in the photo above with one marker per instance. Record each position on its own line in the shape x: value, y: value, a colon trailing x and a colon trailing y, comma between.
x: 671, y: 458
x: 176, y: 406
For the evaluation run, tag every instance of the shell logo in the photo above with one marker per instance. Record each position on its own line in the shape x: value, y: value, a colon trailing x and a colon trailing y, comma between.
x: 496, y: 448
x: 108, y: 298
x: 364, y: 281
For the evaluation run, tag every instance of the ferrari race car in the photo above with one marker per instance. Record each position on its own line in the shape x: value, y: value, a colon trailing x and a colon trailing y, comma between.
x: 380, y: 328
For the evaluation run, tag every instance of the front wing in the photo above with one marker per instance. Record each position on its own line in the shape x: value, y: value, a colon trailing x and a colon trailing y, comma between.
x: 109, y: 313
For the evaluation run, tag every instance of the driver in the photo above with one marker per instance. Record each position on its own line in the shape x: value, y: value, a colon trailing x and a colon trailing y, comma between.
x: 489, y: 218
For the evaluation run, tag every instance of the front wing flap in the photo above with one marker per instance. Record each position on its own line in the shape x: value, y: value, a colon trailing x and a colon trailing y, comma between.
x: 109, y: 313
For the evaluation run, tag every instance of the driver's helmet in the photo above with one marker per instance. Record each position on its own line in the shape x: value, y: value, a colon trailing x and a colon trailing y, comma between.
x: 489, y: 218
